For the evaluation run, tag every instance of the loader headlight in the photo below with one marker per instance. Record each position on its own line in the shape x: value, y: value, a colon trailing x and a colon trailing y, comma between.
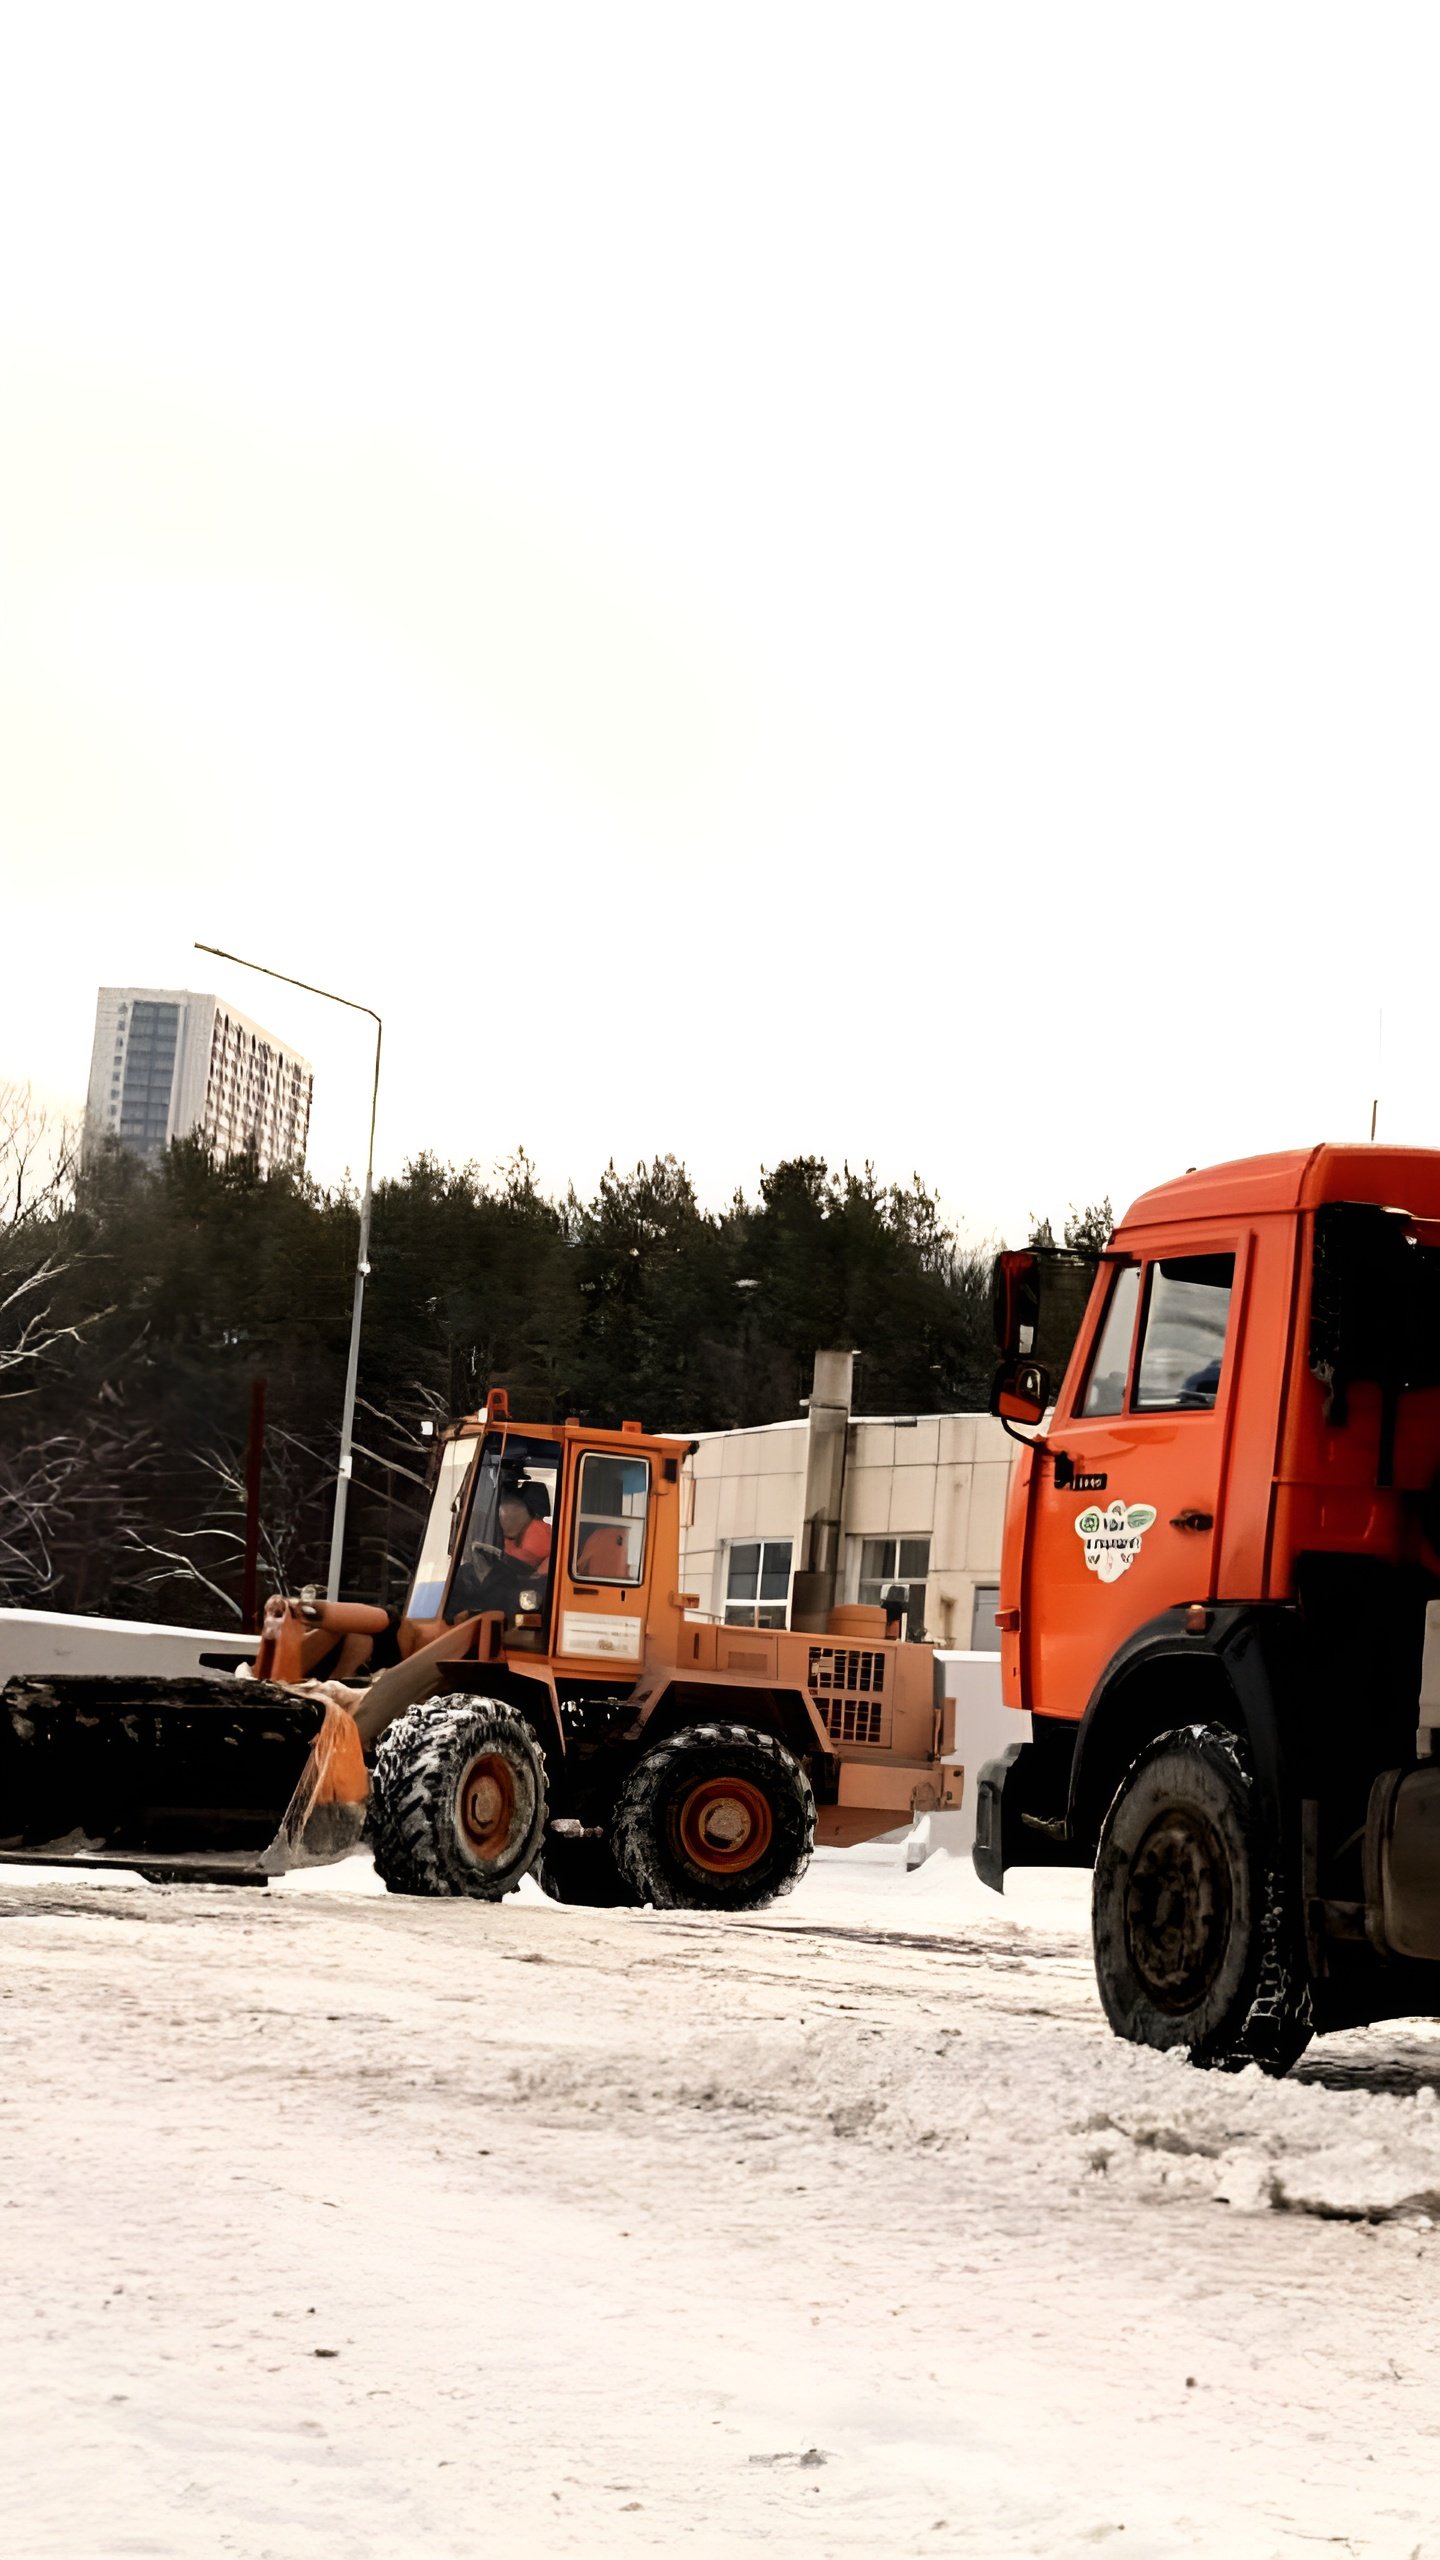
x: 529, y: 1603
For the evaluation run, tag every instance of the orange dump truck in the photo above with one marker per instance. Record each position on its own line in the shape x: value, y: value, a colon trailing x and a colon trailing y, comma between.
x: 550, y: 1699
x: 1220, y: 1598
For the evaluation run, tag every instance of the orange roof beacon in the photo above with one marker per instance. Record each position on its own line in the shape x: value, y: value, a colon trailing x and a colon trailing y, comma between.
x: 1220, y: 1598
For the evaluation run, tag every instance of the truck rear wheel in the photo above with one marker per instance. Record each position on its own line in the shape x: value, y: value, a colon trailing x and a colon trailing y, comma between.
x: 458, y: 1802
x: 1195, y: 1935
x: 717, y: 1818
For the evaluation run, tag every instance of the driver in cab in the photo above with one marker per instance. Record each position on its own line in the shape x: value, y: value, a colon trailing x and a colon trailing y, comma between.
x: 493, y: 1574
x: 524, y: 1527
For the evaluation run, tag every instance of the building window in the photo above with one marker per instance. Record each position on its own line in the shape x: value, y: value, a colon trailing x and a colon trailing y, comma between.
x: 984, y: 1634
x: 884, y: 1562
x: 757, y: 1583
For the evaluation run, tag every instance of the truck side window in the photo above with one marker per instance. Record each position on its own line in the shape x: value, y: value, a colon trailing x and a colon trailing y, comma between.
x: 1110, y: 1366
x: 1182, y: 1333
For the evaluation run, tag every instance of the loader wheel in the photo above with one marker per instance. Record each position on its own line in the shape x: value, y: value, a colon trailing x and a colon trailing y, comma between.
x: 458, y: 1803
x: 718, y: 1818
x: 1196, y: 1939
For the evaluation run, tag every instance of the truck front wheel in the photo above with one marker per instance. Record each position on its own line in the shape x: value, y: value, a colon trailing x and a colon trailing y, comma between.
x: 1195, y: 1935
x: 718, y: 1818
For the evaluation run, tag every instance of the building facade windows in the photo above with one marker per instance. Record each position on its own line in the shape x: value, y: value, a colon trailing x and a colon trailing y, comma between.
x: 886, y: 1562
x: 168, y: 1065
x: 757, y: 1582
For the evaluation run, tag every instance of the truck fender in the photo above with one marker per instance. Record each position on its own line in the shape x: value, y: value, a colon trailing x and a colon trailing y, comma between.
x: 1232, y: 1671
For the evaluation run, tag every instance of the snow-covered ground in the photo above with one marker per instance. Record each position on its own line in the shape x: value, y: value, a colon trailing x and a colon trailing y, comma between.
x: 336, y: 2225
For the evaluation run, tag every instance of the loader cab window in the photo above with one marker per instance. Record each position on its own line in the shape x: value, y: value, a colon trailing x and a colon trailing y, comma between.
x: 610, y: 1509
x: 1182, y: 1333
x: 427, y: 1592
x: 504, y: 1550
x: 1110, y: 1366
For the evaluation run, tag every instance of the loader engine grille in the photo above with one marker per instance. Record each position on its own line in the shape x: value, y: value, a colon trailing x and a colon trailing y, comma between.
x: 848, y: 1686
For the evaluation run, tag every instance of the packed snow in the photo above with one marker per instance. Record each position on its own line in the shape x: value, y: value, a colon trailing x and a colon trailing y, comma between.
x: 340, y: 2225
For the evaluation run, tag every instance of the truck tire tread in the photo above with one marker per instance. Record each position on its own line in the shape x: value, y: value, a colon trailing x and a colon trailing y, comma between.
x: 1261, y: 2010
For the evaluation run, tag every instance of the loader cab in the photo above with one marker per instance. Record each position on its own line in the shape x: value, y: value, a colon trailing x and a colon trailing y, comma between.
x: 490, y: 1540
x: 570, y: 1535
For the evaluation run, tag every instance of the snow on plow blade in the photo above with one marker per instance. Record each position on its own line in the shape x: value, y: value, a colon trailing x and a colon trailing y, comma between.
x: 216, y: 1780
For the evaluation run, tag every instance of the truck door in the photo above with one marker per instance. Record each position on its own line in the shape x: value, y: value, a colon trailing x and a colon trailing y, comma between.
x: 1126, y: 1493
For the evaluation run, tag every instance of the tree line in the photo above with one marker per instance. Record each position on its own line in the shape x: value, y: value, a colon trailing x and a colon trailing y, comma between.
x: 138, y: 1307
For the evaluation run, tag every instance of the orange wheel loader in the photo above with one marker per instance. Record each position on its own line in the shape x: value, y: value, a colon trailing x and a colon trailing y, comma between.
x: 549, y: 1700
x: 1220, y: 1598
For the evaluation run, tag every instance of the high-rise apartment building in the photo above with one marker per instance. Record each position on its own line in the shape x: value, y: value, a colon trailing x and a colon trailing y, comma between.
x: 168, y: 1064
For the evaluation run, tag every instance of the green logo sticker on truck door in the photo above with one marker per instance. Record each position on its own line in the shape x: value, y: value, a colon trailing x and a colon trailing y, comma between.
x: 1112, y: 1537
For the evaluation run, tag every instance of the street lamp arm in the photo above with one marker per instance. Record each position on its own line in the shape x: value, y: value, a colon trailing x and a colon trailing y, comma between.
x: 259, y: 967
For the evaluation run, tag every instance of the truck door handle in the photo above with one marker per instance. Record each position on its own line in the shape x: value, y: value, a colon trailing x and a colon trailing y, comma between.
x: 1193, y: 1520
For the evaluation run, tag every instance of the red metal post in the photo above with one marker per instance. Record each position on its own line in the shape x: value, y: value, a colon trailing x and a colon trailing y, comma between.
x: 254, y: 1459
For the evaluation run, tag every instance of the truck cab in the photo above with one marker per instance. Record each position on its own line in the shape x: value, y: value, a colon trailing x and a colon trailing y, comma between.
x: 1227, y: 1526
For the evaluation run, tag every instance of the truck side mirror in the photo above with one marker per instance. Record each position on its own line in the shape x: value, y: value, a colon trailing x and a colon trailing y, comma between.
x: 1039, y: 1301
x: 1021, y: 1392
x: 1015, y: 1302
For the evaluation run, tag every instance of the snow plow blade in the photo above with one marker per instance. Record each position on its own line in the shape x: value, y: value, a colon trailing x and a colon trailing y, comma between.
x: 215, y: 1781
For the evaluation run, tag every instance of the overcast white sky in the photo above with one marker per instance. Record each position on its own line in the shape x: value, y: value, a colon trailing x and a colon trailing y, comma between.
x: 757, y: 578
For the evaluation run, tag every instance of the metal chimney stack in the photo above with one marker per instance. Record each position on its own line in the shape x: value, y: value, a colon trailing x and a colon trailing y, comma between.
x: 817, y: 1582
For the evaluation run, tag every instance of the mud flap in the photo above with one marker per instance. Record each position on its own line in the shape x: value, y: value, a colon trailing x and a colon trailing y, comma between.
x: 1015, y: 1824
x: 988, y: 1853
x: 1403, y: 1861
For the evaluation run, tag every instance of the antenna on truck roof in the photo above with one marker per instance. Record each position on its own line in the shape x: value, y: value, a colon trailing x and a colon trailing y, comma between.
x: 1379, y: 1056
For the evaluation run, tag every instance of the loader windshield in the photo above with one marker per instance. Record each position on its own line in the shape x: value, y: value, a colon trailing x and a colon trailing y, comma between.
x: 431, y: 1574
x: 502, y: 1553
x: 487, y: 1545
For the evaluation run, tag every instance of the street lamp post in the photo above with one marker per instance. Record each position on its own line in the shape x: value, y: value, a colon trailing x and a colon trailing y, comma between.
x: 362, y: 1258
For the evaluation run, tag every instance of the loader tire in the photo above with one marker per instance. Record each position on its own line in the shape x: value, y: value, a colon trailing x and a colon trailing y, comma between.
x: 717, y: 1818
x: 458, y: 1804
x: 1197, y: 1941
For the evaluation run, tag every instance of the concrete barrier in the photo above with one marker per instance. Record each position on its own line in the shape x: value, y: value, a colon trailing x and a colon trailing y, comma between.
x: 984, y: 1727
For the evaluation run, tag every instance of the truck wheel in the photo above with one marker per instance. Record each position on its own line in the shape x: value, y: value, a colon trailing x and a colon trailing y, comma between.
x: 458, y: 1800
x: 718, y: 1818
x: 584, y: 1872
x: 1196, y: 1941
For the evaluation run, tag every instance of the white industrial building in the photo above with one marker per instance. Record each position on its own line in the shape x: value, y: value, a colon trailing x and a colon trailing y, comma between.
x: 792, y: 1518
x: 170, y: 1064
